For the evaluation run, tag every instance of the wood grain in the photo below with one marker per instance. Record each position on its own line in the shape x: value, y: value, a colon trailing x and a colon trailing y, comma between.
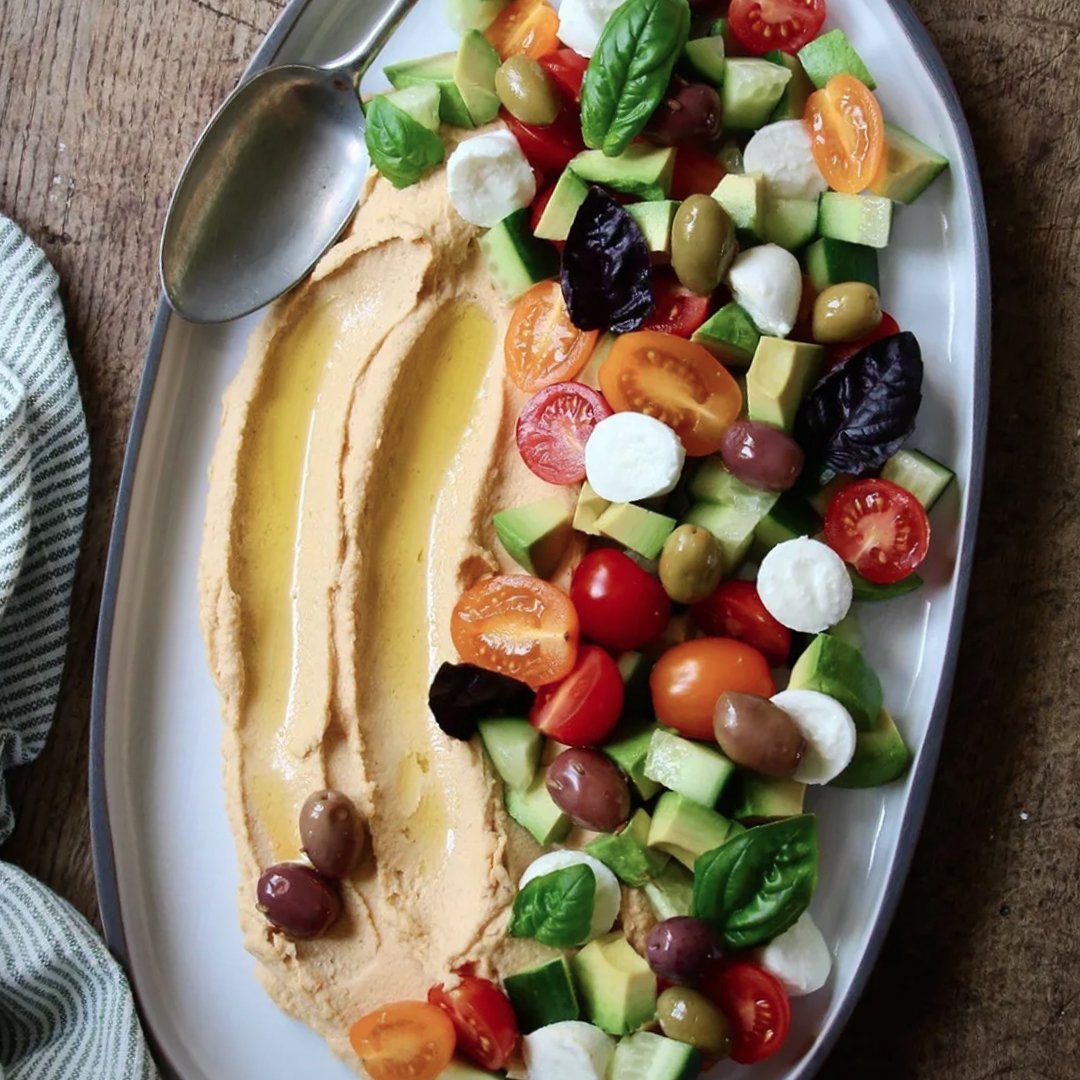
x: 980, y: 976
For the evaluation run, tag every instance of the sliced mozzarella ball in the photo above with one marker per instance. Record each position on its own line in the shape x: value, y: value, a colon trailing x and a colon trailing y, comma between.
x: 581, y: 22
x: 805, y: 585
x: 569, y: 1050
x: 782, y: 152
x: 631, y: 456
x: 828, y: 730
x: 489, y: 178
x: 608, y: 893
x: 766, y: 282
x: 799, y: 957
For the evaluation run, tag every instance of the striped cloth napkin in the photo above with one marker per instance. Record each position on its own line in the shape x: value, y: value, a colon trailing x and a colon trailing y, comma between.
x: 66, y: 1012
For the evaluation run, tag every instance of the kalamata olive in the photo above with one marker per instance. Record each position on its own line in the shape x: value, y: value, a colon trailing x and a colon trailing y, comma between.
x: 689, y: 113
x: 702, y: 243
x: 758, y: 735
x: 690, y: 1017
x: 761, y: 455
x: 298, y: 900
x: 846, y: 312
x: 680, y: 949
x: 589, y: 788
x: 331, y: 833
x: 526, y: 91
x: 691, y: 564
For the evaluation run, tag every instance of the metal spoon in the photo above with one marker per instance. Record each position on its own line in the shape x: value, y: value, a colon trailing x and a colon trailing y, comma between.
x: 271, y: 183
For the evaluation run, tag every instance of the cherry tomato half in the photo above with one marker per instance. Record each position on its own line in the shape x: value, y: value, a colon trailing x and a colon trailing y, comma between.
x: 835, y: 355
x: 554, y: 427
x: 697, y: 172
x: 583, y: 709
x: 735, y: 610
x: 620, y: 606
x: 880, y: 528
x: 518, y: 626
x: 847, y: 133
x: 676, y: 381
x: 409, y: 1040
x: 757, y: 1007
x: 763, y: 25
x: 677, y: 310
x: 525, y: 26
x: 483, y: 1018
x: 549, y: 148
x: 567, y: 69
x: 688, y: 680
x: 542, y: 345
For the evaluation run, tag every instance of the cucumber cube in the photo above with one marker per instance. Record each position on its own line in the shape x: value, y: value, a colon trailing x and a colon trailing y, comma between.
x: 690, y: 768
x: 858, y: 219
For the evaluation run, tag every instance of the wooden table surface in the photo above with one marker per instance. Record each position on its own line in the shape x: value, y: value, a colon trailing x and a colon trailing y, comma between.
x: 980, y: 977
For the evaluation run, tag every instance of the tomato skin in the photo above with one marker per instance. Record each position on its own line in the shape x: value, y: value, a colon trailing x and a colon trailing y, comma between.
x: 554, y: 427
x: 735, y: 610
x: 847, y: 133
x: 880, y: 528
x: 525, y: 26
x: 584, y: 708
x: 548, y: 148
x: 677, y: 310
x: 483, y: 1019
x: 697, y: 172
x: 835, y: 355
x: 687, y: 682
x: 755, y: 1004
x: 567, y: 69
x: 542, y: 345
x: 763, y: 25
x: 408, y: 1040
x: 620, y: 606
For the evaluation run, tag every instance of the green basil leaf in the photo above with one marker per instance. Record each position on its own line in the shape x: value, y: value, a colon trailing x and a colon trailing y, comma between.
x: 400, y: 147
x: 758, y: 884
x: 556, y: 909
x: 630, y: 70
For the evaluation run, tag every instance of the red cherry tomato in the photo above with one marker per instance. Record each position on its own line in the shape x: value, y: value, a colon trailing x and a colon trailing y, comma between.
x: 678, y: 310
x: 551, y: 147
x: 697, y: 172
x: 757, y: 1007
x: 583, y: 709
x: 835, y: 355
x: 567, y: 69
x: 735, y: 610
x: 483, y: 1018
x: 880, y: 528
x: 763, y: 25
x: 619, y: 606
x: 553, y: 428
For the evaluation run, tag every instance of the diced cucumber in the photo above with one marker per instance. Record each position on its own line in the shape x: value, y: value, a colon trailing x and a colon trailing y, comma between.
x: 730, y: 155
x: 792, y: 105
x: 566, y: 199
x: 713, y: 483
x: 672, y: 891
x: 421, y: 102
x: 832, y: 262
x: 635, y: 668
x: 630, y: 751
x: 910, y: 166
x: 690, y: 768
x: 790, y: 517
x: 791, y: 223
x: 514, y: 748
x: 742, y: 195
x: 706, y: 57
x: 833, y: 54
x: 516, y: 260
x: 752, y: 89
x: 534, y: 809
x: 646, y: 1056
x: 870, y: 591
x: 918, y: 473
x: 730, y: 335
x: 543, y: 995
x: 858, y: 219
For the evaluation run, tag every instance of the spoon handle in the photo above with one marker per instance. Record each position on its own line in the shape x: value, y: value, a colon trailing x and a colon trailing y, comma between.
x: 356, y: 62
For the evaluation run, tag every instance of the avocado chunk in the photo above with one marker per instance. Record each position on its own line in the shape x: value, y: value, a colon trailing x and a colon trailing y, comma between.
x: 789, y: 518
x: 641, y: 170
x: 617, y: 987
x: 742, y: 195
x: 655, y: 219
x: 589, y: 508
x: 730, y: 335
x: 534, y: 809
x: 792, y: 103
x: 630, y: 752
x: 536, y: 536
x: 474, y: 73
x: 421, y: 102
x: 686, y: 829
x: 706, y: 57
x: 641, y: 530
x: 767, y: 798
x: 832, y: 262
x: 752, y: 89
x: 671, y: 892
x: 780, y: 377
x: 728, y: 508
x: 858, y: 219
x: 880, y: 756
x: 543, y: 995
x: 440, y: 71
x: 566, y: 199
x: 635, y: 668
x: 690, y: 768
x: 833, y: 54
x: 627, y: 853
x: 910, y: 166
x: 832, y: 666
x: 514, y: 747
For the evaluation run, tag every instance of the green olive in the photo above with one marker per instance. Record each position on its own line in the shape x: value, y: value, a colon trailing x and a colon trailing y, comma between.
x: 526, y: 91
x: 846, y: 312
x: 690, y: 1017
x: 691, y: 564
x: 702, y: 243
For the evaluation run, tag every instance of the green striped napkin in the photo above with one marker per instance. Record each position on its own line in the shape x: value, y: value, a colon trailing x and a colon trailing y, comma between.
x: 65, y: 1008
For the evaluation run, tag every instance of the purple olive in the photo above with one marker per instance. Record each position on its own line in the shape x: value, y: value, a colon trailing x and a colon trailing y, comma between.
x: 688, y: 113
x: 590, y: 789
x: 331, y: 833
x: 761, y: 456
x: 299, y: 901
x: 681, y: 949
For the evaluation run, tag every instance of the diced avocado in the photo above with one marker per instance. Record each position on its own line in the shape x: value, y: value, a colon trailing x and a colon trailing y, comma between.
x: 832, y: 262
x: 790, y: 223
x: 752, y: 89
x: 713, y: 483
x: 728, y: 508
x: 742, y: 195
x: 641, y: 169
x: 671, y: 892
x: 833, y: 54
x: 566, y: 199
x: 779, y: 379
x: 535, y: 810
x: 440, y: 71
x: 767, y: 798
x: 910, y: 166
x: 918, y: 473
x: 460, y: 1069
x: 617, y: 986
x: 648, y: 1056
x: 589, y: 508
x: 655, y: 219
x: 543, y: 995
x: 630, y: 751
x: 730, y: 335
x: 832, y: 666
x: 858, y: 219
x: 627, y: 853
x: 465, y: 15
x: 870, y: 591
x: 474, y: 72
x: 516, y: 260
x: 880, y: 756
x: 421, y: 102
x: 635, y: 668
x: 690, y: 768
x: 536, y: 536
x: 789, y: 518
x: 706, y: 56
x: 514, y: 748
x: 686, y: 829
x: 643, y: 531
x: 792, y: 104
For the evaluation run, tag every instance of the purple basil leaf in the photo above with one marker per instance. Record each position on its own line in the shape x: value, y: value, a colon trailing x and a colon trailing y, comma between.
x: 606, y: 278
x: 462, y: 694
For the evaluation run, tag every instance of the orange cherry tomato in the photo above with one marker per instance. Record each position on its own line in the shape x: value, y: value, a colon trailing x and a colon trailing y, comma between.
x: 676, y: 381
x: 518, y: 626
x: 847, y: 133
x: 688, y: 680
x: 409, y: 1040
x: 542, y: 345
x: 525, y: 26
